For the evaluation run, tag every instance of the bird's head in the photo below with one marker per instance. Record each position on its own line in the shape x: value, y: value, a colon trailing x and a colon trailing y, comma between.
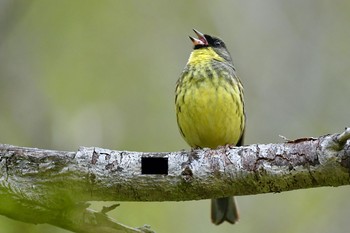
x: 215, y: 43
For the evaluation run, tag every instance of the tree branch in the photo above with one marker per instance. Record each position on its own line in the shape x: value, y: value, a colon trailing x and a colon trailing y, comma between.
x: 46, y: 186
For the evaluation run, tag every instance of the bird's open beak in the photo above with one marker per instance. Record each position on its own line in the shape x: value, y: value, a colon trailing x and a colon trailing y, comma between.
x: 201, y: 39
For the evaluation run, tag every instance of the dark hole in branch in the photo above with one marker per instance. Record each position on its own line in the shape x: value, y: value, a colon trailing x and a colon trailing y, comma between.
x: 154, y: 165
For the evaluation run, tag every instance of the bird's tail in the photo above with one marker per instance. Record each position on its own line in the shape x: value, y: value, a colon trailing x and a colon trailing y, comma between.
x: 224, y: 209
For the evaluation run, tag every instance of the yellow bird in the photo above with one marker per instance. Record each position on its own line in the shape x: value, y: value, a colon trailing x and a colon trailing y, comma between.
x: 210, y: 107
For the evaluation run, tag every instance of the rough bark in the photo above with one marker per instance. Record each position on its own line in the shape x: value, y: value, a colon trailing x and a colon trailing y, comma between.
x: 46, y: 186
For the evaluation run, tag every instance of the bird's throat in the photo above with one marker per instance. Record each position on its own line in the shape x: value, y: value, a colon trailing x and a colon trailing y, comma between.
x: 203, y: 55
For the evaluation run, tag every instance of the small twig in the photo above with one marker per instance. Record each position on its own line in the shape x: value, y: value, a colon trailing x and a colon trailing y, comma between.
x: 106, y: 209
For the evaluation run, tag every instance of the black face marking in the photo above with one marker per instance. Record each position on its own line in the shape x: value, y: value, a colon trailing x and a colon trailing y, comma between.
x: 198, y: 46
x: 215, y: 42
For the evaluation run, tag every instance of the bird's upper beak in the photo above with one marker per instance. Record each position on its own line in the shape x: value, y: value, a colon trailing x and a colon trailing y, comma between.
x: 201, y: 39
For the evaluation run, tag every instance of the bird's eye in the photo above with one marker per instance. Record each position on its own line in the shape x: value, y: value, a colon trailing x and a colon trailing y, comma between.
x: 217, y: 43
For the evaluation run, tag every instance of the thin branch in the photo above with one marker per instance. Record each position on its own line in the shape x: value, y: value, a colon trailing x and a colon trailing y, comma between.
x: 56, y: 185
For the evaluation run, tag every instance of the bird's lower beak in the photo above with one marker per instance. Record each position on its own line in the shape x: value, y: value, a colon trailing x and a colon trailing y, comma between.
x: 196, y: 41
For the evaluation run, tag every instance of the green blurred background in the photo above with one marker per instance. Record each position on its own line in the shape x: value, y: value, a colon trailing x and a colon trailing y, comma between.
x: 103, y: 73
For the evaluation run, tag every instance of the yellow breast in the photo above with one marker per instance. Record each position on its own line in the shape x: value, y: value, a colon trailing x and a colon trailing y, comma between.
x: 209, y: 105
